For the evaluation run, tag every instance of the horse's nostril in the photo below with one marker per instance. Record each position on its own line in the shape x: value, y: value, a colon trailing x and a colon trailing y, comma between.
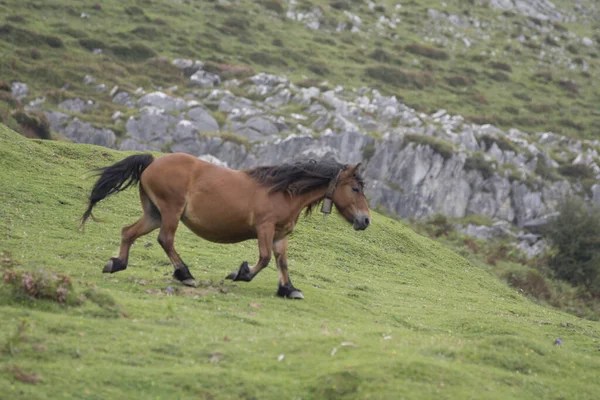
x: 367, y: 221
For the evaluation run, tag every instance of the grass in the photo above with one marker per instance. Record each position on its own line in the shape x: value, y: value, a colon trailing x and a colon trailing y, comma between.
x: 47, y: 44
x: 388, y: 313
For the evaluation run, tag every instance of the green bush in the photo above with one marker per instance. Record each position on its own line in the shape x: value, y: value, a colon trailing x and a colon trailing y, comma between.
x: 426, y: 51
x: 440, y: 146
x: 575, y: 236
x: 477, y: 162
x: 439, y: 225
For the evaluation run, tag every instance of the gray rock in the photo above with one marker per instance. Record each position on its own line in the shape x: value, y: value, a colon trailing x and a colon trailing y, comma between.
x: 213, y: 160
x: 202, y: 120
x: 189, y: 67
x: 77, y: 105
x: 83, y: 132
x: 19, y: 90
x: 88, y: 79
x: 596, y: 194
x: 57, y: 120
x: 262, y: 126
x: 100, y: 88
x: 163, y: 101
x: 205, y: 79
x: 153, y: 126
x: 538, y: 225
x: 124, y: 99
x: 279, y: 99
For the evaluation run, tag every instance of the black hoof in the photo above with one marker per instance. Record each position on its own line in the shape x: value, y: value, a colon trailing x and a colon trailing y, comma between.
x: 288, y: 291
x: 114, y: 265
x: 243, y: 274
x: 183, y: 275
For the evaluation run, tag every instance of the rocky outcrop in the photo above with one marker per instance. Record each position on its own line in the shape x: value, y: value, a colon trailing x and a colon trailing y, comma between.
x: 415, y: 164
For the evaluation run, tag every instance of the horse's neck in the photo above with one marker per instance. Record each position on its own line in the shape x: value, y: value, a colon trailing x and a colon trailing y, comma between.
x: 299, y: 203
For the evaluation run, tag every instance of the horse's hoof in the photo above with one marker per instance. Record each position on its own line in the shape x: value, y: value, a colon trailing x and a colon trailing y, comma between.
x: 296, y: 294
x: 108, y: 267
x: 243, y: 274
x: 190, y: 282
x: 114, y: 265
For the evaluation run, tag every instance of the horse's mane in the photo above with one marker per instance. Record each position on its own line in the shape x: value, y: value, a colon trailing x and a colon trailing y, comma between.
x: 298, y: 178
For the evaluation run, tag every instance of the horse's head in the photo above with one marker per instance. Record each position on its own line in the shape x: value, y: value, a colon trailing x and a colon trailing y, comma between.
x: 349, y: 198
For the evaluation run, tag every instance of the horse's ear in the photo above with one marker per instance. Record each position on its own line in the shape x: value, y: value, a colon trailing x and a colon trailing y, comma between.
x: 353, y: 170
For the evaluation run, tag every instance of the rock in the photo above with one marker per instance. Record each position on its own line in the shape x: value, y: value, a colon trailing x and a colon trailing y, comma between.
x: 532, y: 250
x: 153, y: 127
x: 537, y: 225
x: 596, y: 194
x: 279, y: 99
x: 83, y: 132
x: 77, y: 105
x: 57, y: 120
x: 496, y: 231
x: 213, y: 160
x: 124, y: 99
x: 19, y: 90
x: 268, y: 80
x: 262, y: 125
x: 88, y: 79
x: 202, y: 120
x: 163, y: 101
x: 100, y: 88
x: 189, y: 67
x: 205, y: 79
x: 587, y: 41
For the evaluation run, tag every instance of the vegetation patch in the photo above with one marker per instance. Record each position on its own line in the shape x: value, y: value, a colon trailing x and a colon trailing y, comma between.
x: 576, y: 171
x: 40, y: 285
x: 477, y: 162
x: 427, y: 51
x: 398, y: 77
x: 504, y: 143
x: 440, y: 146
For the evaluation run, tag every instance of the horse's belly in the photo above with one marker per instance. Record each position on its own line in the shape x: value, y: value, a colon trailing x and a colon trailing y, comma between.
x: 220, y: 230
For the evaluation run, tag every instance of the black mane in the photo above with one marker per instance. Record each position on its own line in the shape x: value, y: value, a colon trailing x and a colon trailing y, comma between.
x: 298, y: 178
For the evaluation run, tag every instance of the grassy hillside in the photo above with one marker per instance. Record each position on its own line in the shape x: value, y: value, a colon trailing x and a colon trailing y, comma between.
x: 388, y: 313
x: 516, y: 71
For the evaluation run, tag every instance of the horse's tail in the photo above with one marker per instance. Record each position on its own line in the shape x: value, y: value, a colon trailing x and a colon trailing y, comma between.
x: 116, y: 178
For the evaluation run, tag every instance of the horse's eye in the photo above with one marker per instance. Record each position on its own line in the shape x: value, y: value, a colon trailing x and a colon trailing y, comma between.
x: 355, y: 190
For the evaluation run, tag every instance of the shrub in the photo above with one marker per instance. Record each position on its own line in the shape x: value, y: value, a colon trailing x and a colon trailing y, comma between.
x: 477, y: 162
x: 569, y: 85
x: 531, y: 282
x: 502, y: 142
x: 501, y: 66
x: 399, y: 77
x: 54, y: 41
x: 273, y: 5
x: 576, y: 171
x: 135, y: 52
x: 440, y: 146
x: 575, y: 236
x: 459, y: 80
x: 145, y: 32
x: 91, y: 44
x: 40, y: 285
x: 426, y: 51
x: 34, y: 123
x: 500, y: 76
x: 438, y: 225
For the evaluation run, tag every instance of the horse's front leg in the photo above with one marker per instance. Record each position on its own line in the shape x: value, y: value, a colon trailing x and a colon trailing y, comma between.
x: 265, y: 235
x: 285, y: 289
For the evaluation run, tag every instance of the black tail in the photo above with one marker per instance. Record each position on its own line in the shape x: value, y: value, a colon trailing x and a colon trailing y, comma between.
x: 116, y: 178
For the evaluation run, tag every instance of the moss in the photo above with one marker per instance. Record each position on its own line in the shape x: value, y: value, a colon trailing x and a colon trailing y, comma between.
x: 440, y: 146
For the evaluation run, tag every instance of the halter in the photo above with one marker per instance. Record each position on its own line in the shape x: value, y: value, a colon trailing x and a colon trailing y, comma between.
x: 327, y: 201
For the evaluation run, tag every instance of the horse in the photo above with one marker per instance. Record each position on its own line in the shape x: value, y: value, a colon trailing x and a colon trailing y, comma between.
x: 224, y: 205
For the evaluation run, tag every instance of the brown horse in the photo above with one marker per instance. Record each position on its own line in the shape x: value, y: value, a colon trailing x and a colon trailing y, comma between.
x: 228, y: 206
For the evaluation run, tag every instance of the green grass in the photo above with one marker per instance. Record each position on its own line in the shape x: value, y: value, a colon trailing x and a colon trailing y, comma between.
x: 388, y: 313
x: 47, y: 44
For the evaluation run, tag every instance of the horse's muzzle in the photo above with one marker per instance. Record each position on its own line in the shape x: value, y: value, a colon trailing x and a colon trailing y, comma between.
x: 361, y: 222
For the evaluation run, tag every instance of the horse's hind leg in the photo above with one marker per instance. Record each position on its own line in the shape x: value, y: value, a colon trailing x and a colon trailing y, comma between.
x: 146, y: 224
x: 166, y: 238
x: 285, y: 289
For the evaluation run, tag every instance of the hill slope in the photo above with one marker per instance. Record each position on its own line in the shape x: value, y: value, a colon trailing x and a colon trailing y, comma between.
x: 535, y: 72
x: 388, y: 313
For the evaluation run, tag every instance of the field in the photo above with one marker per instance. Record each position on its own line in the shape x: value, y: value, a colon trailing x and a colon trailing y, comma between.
x: 388, y: 313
